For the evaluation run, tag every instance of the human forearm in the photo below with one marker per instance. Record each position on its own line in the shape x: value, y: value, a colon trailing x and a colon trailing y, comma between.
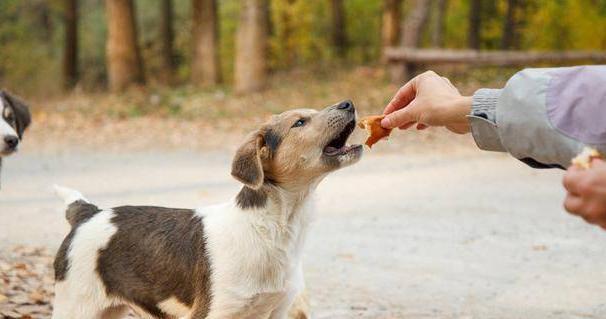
x: 536, y: 116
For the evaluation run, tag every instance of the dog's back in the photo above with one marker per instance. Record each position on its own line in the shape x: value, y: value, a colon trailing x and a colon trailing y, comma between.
x: 150, y: 258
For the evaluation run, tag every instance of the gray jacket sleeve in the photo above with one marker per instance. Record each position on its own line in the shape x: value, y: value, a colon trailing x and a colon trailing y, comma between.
x: 544, y: 117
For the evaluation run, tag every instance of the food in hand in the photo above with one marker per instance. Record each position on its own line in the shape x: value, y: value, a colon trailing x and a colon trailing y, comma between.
x: 376, y: 132
x: 583, y: 160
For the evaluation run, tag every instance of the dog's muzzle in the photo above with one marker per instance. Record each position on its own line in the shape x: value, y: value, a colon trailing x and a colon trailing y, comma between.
x: 337, y: 146
x: 10, y: 144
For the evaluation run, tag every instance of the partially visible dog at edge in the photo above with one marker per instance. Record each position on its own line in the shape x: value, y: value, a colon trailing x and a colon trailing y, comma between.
x: 241, y: 259
x: 14, y: 119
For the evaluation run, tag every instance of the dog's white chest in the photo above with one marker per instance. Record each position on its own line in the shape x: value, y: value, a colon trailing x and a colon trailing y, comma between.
x: 251, y: 261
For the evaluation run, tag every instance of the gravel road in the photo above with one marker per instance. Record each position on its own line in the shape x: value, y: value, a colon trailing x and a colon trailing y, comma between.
x: 466, y: 235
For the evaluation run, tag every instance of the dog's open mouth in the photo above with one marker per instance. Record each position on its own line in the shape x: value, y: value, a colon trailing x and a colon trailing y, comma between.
x: 338, y: 146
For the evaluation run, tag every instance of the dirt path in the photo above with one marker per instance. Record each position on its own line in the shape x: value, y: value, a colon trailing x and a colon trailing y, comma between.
x: 470, y: 235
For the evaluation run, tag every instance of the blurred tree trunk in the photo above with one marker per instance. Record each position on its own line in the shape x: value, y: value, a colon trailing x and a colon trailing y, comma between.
x: 206, y: 68
x: 390, y: 30
x: 412, y: 33
x: 437, y: 34
x: 251, y: 47
x: 508, y: 41
x: 339, y: 34
x: 475, y: 22
x: 167, y: 38
x: 70, y: 53
x: 415, y: 23
x: 44, y: 16
x: 124, y: 62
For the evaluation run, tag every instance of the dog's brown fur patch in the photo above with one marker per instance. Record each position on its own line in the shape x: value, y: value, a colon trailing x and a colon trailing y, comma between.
x: 157, y: 253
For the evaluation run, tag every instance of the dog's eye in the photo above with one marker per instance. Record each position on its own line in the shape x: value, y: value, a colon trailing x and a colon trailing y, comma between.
x: 299, y: 123
x: 8, y: 115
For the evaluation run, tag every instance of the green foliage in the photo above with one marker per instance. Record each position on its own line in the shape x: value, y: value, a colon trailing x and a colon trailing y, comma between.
x: 364, y: 29
x: 295, y: 32
x: 541, y: 24
x: 28, y: 59
x: 455, y: 33
x: 31, y: 35
x: 91, y: 37
x: 566, y: 24
x: 301, y: 32
x: 229, y: 12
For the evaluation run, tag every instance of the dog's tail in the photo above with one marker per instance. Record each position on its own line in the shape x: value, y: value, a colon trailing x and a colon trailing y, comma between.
x: 69, y: 195
x: 79, y: 209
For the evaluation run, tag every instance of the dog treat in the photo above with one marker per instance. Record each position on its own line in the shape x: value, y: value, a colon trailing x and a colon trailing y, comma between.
x: 583, y: 160
x: 376, y: 132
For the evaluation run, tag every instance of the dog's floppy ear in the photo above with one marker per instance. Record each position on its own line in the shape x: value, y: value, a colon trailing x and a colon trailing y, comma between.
x: 247, y: 166
x: 21, y: 110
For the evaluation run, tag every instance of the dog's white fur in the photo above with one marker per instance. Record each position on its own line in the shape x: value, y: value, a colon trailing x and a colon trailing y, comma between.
x: 241, y: 244
x: 5, y: 128
x: 68, y: 195
x: 174, y: 306
x: 14, y: 119
x: 82, y: 294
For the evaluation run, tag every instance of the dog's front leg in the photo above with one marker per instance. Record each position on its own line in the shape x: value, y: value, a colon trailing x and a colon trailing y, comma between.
x: 295, y: 292
x: 281, y: 312
x: 300, y: 307
x: 256, y: 307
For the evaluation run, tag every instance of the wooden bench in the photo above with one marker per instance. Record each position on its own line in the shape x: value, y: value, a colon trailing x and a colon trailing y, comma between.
x: 404, y: 61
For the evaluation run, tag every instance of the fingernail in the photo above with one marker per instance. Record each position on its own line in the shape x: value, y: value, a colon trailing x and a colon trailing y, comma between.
x: 386, y: 122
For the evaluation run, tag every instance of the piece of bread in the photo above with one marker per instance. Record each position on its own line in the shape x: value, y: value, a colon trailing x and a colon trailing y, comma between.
x: 376, y: 132
x: 583, y: 160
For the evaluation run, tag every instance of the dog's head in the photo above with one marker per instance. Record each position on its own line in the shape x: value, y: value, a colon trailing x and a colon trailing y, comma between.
x: 297, y: 148
x: 14, y: 119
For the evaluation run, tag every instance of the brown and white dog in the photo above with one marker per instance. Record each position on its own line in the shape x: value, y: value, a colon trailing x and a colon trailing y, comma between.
x: 14, y: 119
x: 241, y: 259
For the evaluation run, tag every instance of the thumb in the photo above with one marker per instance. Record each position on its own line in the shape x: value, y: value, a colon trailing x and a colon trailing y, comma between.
x: 399, y: 117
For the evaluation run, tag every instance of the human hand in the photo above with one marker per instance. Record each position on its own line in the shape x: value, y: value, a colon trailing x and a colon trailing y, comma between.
x: 587, y: 192
x: 428, y: 100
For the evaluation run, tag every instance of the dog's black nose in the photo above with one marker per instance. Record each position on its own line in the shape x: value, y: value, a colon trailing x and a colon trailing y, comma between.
x: 11, y: 141
x: 346, y: 106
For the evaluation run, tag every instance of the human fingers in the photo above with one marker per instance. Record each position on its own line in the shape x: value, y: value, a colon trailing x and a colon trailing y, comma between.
x: 407, y: 125
x: 400, y: 117
x: 573, y: 204
x: 402, y: 98
x: 571, y: 179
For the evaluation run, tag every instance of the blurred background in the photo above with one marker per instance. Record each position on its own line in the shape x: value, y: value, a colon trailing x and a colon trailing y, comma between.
x: 196, y: 44
x: 208, y: 61
x: 144, y: 102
